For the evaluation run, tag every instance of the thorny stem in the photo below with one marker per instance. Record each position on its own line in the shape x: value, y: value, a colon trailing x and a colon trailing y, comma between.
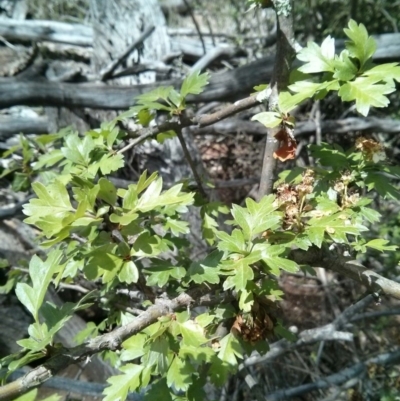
x: 285, y: 53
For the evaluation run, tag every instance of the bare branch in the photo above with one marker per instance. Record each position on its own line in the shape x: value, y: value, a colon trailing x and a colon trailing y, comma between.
x: 336, y: 259
x: 285, y: 54
x: 337, y: 379
x: 311, y: 336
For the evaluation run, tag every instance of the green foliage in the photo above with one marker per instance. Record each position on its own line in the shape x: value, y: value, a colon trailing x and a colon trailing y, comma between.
x: 351, y: 74
x: 135, y: 237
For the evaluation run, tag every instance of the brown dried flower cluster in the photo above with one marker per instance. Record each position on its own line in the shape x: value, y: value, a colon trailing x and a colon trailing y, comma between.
x: 254, y: 326
x: 291, y: 199
x: 341, y: 186
x: 372, y: 150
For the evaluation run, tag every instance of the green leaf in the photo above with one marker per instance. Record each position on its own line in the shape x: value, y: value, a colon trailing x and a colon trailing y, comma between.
x: 384, y: 72
x: 381, y: 245
x: 176, y: 226
x: 78, y: 150
x: 121, y: 385
x: 41, y: 274
x: 163, y: 136
x: 134, y: 347
x: 284, y: 333
x: 148, y: 245
x: 318, y: 59
x: 194, y: 83
x: 206, y: 270
x: 159, y: 356
x: 48, y: 159
x: 269, y: 119
x: 231, y: 243
x: 158, y: 391
x: 345, y: 70
x: 192, y: 334
x: 107, y: 192
x: 246, y: 300
x: 360, y: 45
x: 20, y: 182
x: 129, y: 273
x: 161, y: 272
x: 329, y: 155
x: 180, y: 374
x: 107, y: 164
x: 152, y: 197
x: 381, y: 185
x: 230, y: 350
x: 366, y: 93
x: 257, y: 217
x: 337, y: 226
x: 208, y: 228
x: 161, y: 92
x: 242, y: 274
x: 53, y: 200
x: 370, y: 214
x: 275, y: 263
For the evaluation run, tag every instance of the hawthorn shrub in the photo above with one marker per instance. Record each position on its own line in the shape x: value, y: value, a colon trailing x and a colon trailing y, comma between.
x: 125, y: 239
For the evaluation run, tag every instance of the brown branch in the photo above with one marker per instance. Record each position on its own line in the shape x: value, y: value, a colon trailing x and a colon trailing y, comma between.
x: 285, y: 54
x: 358, y: 370
x: 191, y: 163
x: 336, y: 259
x: 199, y: 121
x: 328, y: 332
x: 109, y: 341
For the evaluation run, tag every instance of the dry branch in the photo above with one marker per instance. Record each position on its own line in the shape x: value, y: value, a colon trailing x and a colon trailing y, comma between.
x: 11, y: 125
x: 51, y: 31
x: 358, y: 370
x: 230, y: 86
x: 336, y: 259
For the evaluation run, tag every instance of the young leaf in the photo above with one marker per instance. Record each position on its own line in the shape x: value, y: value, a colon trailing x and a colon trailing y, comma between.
x: 122, y: 384
x: 53, y: 200
x: 318, y: 59
x: 180, y: 374
x: 269, y: 119
x: 366, y: 93
x: 242, y: 273
x: 41, y: 274
x: 192, y: 334
x: 381, y: 245
x: 384, y: 72
x: 78, y: 150
x: 160, y: 272
x: 206, y: 270
x: 194, y: 83
x: 360, y: 45
x: 345, y: 69
x: 230, y: 350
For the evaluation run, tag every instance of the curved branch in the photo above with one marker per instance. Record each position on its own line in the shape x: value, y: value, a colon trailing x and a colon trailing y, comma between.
x: 337, y: 260
x: 109, y: 341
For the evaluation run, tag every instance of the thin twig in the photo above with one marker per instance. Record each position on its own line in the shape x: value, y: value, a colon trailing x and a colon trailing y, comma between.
x: 199, y: 121
x: 189, y: 8
x: 192, y: 165
x: 107, y: 72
